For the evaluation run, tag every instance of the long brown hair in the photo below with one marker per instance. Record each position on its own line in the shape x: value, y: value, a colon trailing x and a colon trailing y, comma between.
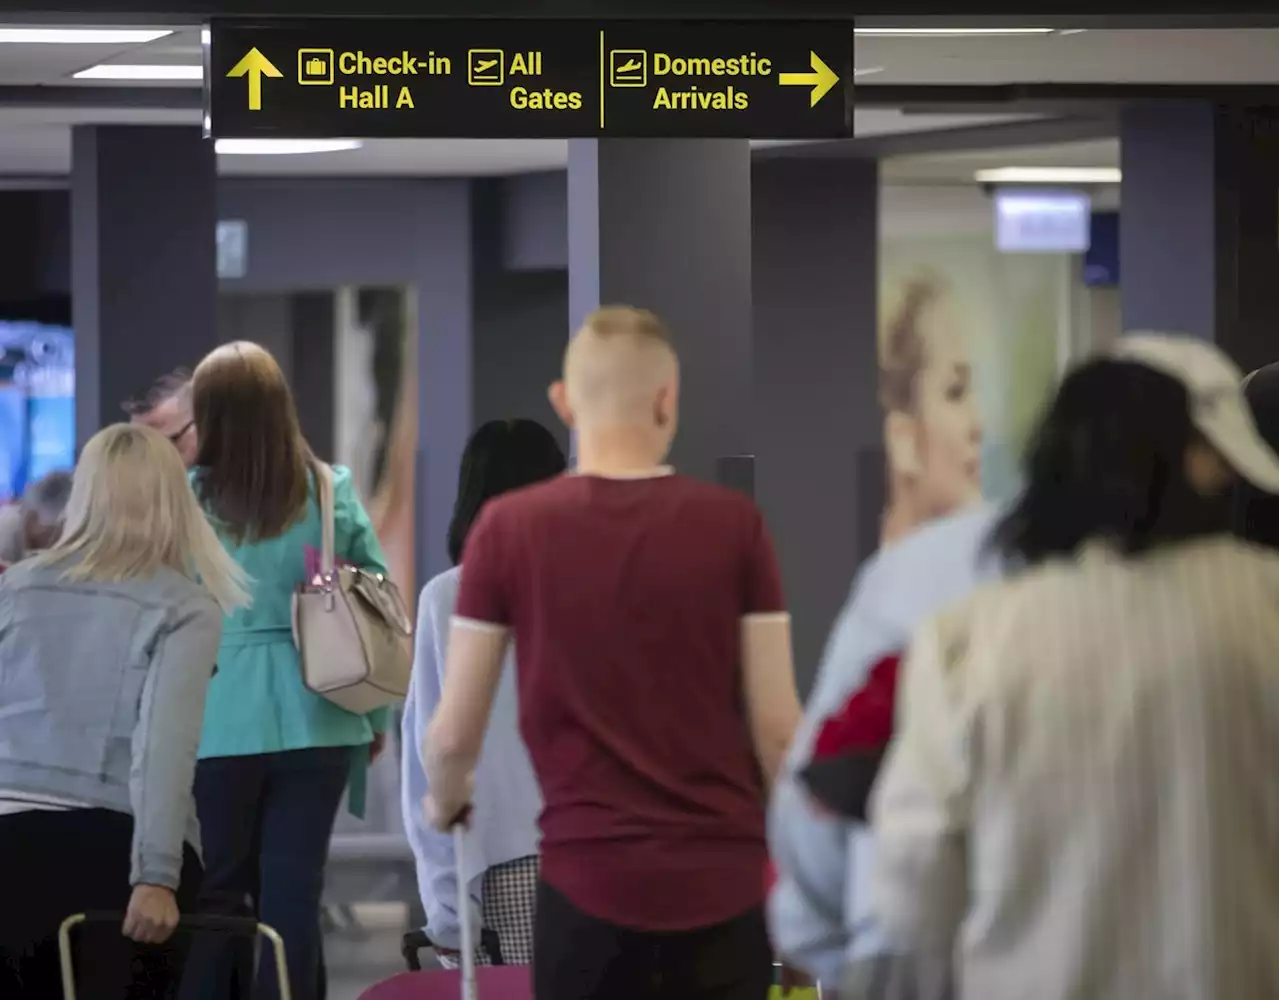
x: 252, y: 467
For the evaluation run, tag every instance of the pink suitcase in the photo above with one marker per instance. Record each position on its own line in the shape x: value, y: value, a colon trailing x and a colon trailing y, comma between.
x: 499, y: 982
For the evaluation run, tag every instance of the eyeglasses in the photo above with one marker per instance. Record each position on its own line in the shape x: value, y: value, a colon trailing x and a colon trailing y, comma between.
x: 177, y: 436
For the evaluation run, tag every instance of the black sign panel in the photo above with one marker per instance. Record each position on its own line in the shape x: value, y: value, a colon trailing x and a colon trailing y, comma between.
x: 389, y: 78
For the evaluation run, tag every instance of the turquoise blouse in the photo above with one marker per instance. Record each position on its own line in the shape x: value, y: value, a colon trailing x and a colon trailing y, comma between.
x: 257, y: 702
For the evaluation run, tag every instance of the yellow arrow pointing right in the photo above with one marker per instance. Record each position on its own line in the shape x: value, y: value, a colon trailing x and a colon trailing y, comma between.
x: 255, y: 66
x: 821, y: 79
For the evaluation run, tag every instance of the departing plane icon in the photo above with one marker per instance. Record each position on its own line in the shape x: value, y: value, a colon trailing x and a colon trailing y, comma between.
x: 485, y: 67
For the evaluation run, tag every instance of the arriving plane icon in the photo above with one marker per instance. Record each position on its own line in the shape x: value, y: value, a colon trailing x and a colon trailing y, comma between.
x: 628, y: 68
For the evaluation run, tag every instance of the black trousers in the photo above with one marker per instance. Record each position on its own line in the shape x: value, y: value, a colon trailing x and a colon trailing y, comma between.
x: 579, y: 957
x: 54, y: 864
x: 265, y: 821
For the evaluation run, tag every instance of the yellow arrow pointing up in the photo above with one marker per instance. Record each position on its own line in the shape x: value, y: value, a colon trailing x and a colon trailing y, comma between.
x: 821, y: 79
x: 255, y: 66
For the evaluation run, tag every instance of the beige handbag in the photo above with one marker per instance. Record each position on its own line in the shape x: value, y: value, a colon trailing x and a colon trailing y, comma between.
x: 350, y: 627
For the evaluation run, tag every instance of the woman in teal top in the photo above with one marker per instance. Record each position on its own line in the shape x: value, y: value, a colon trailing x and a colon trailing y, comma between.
x: 274, y: 757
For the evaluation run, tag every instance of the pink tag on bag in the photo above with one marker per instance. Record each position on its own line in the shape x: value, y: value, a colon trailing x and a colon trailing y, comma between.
x: 314, y: 562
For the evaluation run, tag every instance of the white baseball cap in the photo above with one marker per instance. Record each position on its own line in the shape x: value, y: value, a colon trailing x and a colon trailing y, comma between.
x: 1216, y: 391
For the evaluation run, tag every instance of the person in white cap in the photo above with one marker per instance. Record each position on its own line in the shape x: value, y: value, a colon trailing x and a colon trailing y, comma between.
x: 1080, y: 799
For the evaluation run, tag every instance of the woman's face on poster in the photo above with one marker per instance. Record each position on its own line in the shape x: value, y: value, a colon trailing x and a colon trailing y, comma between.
x: 948, y: 429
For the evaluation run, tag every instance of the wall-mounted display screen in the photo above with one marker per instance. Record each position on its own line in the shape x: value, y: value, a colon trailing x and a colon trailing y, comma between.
x: 1042, y: 221
x: 37, y: 403
x: 1102, y: 262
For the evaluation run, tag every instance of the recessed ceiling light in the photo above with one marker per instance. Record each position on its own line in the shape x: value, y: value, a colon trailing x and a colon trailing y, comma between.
x: 1049, y: 175
x: 283, y: 147
x: 948, y: 32
x: 81, y: 36
x: 120, y: 71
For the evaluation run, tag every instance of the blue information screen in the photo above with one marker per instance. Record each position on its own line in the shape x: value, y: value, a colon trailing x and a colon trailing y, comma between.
x: 37, y: 403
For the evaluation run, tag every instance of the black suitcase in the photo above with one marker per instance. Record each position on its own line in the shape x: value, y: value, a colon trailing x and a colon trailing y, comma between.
x: 239, y: 926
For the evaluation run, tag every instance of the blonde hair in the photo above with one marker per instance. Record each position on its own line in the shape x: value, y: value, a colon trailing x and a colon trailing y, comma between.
x: 616, y: 362
x: 132, y: 513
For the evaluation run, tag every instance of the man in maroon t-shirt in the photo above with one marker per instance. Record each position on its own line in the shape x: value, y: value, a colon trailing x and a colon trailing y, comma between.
x: 657, y: 696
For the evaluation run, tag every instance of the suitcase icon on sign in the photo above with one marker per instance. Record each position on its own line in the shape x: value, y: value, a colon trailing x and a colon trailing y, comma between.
x: 315, y: 67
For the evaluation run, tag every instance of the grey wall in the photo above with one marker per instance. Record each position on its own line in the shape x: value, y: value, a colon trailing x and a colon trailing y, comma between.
x: 318, y: 234
x: 520, y: 317
x: 817, y: 424
x: 535, y: 222
x: 263, y: 318
x: 35, y: 254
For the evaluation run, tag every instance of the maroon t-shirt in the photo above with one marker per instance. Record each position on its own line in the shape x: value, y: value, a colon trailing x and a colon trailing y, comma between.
x: 625, y: 598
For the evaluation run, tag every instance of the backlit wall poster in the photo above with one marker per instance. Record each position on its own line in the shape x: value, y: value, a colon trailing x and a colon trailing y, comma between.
x: 968, y: 356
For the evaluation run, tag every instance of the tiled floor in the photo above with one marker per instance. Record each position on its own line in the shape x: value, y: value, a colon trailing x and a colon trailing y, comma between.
x: 359, y: 958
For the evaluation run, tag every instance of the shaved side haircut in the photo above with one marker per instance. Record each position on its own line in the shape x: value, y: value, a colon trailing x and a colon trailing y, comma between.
x: 616, y: 364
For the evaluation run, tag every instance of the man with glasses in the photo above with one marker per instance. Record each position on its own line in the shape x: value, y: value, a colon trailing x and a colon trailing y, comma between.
x: 166, y: 407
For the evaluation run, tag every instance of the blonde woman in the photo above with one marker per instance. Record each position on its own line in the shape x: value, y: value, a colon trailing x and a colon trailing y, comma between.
x: 932, y: 427
x: 107, y: 643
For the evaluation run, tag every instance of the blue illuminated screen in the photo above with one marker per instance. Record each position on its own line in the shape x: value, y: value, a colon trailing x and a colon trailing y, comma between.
x: 37, y: 403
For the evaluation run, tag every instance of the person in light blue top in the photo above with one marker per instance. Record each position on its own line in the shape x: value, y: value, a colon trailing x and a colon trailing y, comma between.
x: 275, y: 758
x: 820, y: 908
x: 501, y: 863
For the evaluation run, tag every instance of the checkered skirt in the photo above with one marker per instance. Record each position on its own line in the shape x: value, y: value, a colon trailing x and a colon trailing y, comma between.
x: 506, y: 907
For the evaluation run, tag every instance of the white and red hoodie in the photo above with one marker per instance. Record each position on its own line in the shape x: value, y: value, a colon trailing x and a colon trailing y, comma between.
x: 820, y: 916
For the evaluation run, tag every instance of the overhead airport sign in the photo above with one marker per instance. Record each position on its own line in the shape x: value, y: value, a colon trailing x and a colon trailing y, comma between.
x: 402, y: 78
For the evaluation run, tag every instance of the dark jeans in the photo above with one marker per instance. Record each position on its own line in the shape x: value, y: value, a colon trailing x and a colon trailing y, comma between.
x: 579, y: 957
x: 265, y: 820
x: 54, y: 864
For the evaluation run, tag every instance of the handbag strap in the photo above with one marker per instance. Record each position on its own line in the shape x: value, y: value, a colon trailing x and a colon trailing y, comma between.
x: 324, y: 497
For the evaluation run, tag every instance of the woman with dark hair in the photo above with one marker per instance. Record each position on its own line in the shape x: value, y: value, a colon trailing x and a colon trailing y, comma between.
x: 275, y: 757
x: 1084, y: 773
x: 502, y: 860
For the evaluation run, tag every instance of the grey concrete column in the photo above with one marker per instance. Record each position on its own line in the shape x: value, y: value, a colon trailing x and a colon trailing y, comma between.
x: 311, y: 339
x: 443, y: 310
x: 143, y: 265
x: 1198, y: 238
x: 666, y: 224
x: 817, y: 422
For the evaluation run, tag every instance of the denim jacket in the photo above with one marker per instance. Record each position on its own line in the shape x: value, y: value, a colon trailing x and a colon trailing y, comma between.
x: 102, y: 688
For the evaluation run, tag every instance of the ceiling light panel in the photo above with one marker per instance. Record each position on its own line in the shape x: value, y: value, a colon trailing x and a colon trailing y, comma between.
x: 949, y: 32
x: 81, y: 36
x: 283, y: 147
x: 1049, y: 175
x: 120, y: 71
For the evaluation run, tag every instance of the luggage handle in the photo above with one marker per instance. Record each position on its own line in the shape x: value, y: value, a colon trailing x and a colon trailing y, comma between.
x: 208, y: 923
x: 467, y: 959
